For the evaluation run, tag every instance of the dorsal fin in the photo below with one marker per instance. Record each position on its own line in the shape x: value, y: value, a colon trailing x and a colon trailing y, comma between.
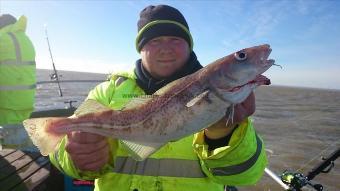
x: 136, y: 102
x: 90, y: 106
x: 183, y: 80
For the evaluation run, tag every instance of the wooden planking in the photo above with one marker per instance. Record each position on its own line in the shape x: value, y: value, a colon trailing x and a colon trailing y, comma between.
x: 33, y: 181
x: 27, y: 172
x: 8, y: 159
x: 5, y: 152
x: 17, y: 164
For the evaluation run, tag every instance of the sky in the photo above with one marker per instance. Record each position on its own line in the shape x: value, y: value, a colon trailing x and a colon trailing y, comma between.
x: 99, y: 36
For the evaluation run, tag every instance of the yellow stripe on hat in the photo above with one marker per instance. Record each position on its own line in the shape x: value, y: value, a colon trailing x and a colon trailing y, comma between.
x: 152, y: 23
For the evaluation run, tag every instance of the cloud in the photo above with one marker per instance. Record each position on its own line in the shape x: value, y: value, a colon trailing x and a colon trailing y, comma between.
x: 321, y: 26
x: 266, y: 16
x: 303, y: 6
x: 256, y: 21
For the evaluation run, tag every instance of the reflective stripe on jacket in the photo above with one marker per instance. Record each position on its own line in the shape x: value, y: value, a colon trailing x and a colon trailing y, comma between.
x: 185, y: 164
x: 17, y: 73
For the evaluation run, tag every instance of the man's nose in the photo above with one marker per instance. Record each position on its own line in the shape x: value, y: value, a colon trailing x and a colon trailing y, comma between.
x: 166, y: 47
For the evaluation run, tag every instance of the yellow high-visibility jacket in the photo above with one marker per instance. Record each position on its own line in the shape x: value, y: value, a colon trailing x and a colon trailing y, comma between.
x: 17, y: 73
x: 185, y: 164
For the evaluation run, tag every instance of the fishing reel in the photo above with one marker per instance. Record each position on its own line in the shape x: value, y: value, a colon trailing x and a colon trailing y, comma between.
x: 54, y: 76
x: 293, y: 181
x: 296, y: 181
x: 70, y: 105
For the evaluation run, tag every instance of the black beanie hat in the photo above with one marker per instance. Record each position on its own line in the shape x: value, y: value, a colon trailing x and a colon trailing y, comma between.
x: 6, y: 19
x: 161, y: 20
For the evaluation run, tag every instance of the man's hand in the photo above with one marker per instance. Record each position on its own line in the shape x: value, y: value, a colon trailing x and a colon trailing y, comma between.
x: 242, y: 111
x: 88, y: 151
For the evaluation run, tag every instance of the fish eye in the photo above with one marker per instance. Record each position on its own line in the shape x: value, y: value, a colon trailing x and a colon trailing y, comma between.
x: 240, y: 55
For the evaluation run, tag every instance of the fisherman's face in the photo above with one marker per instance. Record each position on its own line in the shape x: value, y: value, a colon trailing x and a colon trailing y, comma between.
x: 165, y: 55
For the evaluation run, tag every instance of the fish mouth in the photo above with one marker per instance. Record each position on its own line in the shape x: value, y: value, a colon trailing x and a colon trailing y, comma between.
x: 269, y: 63
x: 266, y: 51
x: 259, y: 80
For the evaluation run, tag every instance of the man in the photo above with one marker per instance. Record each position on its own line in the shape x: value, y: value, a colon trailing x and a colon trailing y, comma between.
x: 208, y: 160
x: 17, y: 79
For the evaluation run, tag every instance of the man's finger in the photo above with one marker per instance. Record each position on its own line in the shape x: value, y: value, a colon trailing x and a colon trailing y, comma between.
x: 81, y: 148
x: 95, y: 166
x: 82, y: 160
x: 84, y: 137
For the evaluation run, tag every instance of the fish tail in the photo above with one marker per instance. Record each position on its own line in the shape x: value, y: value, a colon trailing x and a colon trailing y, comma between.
x: 39, y: 131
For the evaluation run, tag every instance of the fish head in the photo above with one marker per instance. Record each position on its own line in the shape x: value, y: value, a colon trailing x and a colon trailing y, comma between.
x: 238, y: 74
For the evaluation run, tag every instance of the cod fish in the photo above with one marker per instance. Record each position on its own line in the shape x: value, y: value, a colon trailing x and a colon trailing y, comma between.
x: 183, y: 107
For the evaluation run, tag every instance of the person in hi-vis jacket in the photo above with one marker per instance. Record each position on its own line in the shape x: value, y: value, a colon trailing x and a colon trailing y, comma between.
x: 17, y: 79
x: 218, y: 155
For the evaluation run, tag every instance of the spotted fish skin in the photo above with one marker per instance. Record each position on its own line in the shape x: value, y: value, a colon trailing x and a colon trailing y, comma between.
x: 181, y: 108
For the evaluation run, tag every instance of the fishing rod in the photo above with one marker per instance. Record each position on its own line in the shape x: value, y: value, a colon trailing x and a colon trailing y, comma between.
x: 70, y: 81
x: 327, y: 162
x: 53, y: 76
x: 294, y: 181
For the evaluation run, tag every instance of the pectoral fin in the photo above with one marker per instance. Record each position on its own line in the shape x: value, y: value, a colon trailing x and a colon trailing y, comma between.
x: 230, y: 113
x: 199, y: 99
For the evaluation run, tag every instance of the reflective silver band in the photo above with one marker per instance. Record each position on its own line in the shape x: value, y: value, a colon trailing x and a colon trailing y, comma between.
x: 16, y: 45
x: 12, y: 126
x: 15, y: 62
x: 17, y: 87
x: 159, y: 167
x: 180, y: 167
x: 18, y: 60
x: 120, y: 80
x: 239, y: 168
